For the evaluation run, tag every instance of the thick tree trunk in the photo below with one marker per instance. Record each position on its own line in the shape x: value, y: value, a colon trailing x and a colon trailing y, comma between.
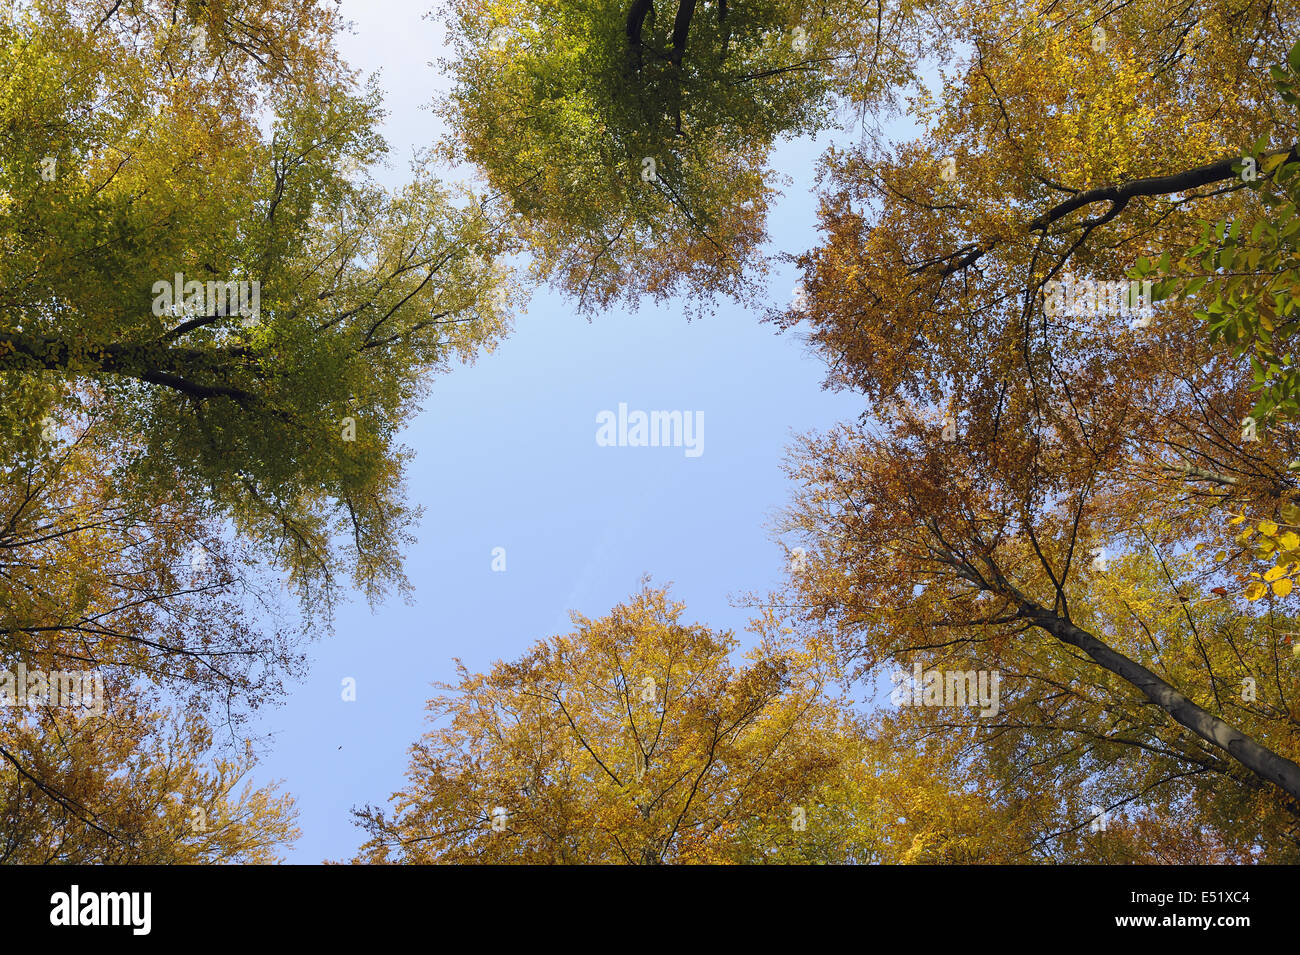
x: 682, y: 30
x: 635, y: 25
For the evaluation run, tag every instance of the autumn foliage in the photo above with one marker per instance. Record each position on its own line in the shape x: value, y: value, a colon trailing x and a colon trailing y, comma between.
x: 1099, y: 502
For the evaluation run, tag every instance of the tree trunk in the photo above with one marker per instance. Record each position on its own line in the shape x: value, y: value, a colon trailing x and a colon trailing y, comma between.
x: 1261, y: 761
x: 682, y: 30
x: 166, y: 366
x: 635, y: 24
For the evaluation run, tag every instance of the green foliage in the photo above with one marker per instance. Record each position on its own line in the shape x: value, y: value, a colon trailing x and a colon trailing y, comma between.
x: 227, y: 143
x: 632, y: 140
x: 1244, y: 273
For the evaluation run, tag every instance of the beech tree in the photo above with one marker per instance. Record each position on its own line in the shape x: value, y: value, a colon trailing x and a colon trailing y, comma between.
x: 92, y: 576
x: 1076, y: 766
x: 137, y: 785
x: 1027, y: 459
x: 158, y: 151
x: 633, y: 739
x: 155, y: 607
x: 213, y: 323
x: 631, y: 138
x: 1018, y: 460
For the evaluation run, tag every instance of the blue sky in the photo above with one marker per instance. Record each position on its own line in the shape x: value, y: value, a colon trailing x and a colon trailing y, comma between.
x: 506, y: 456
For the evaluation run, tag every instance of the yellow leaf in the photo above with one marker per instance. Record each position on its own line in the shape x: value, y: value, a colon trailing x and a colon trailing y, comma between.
x: 1282, y: 587
x: 1273, y: 573
x: 1290, y: 540
x: 1255, y: 590
x: 1268, y: 528
x: 1221, y: 555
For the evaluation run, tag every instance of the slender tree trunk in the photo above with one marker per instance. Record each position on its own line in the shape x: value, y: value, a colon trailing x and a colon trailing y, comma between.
x: 1260, y: 760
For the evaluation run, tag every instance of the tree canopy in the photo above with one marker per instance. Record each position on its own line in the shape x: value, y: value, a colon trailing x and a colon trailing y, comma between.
x: 159, y: 151
x: 1057, y: 483
x: 215, y: 323
x: 1056, y: 258
x: 631, y: 138
x: 1044, y: 438
x: 164, y: 621
x: 632, y: 739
